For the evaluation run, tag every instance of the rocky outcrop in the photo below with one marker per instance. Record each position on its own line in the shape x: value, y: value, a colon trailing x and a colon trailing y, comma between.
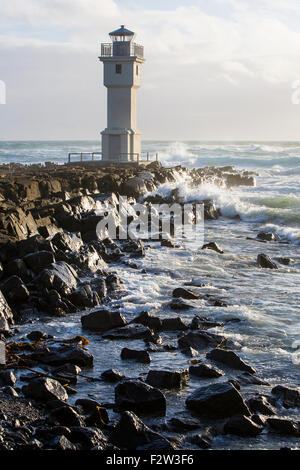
x: 168, y: 379
x: 45, y: 389
x: 6, y: 316
x: 199, y: 340
x: 102, y: 319
x: 230, y: 358
x: 264, y: 261
x: 134, y: 395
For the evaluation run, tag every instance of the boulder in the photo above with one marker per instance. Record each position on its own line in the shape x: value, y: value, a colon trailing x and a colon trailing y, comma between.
x: 39, y: 260
x: 36, y: 336
x: 129, y: 332
x: 205, y: 371
x: 62, y: 443
x: 17, y: 267
x: 88, y: 437
x: 85, y: 297
x: 131, y: 433
x: 60, y: 277
x: 168, y: 379
x: 144, y: 318
x: 140, y: 356
x: 260, y: 404
x: 57, y: 356
x: 201, y: 323
x: 67, y: 241
x: 7, y: 377
x: 242, y: 426
x: 101, y: 320
x: 88, y: 405
x: 112, y: 375
x: 135, y: 395
x: 217, y: 401
x: 290, y: 397
x: 264, y: 261
x: 284, y: 426
x: 66, y: 416
x: 173, y: 324
x: 230, y: 358
x: 88, y: 259
x: 185, y: 293
x: 269, y: 237
x: 180, y: 304
x: 212, y: 246
x: 199, y: 340
x: 45, y: 389
x: 14, y: 290
x: 99, y: 418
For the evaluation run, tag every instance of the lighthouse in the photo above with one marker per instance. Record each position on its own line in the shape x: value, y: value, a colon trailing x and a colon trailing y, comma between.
x: 122, y: 60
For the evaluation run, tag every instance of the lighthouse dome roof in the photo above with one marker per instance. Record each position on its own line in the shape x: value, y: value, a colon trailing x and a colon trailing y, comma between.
x: 122, y: 31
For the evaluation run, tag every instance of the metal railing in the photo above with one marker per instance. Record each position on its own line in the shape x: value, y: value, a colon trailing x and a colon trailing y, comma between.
x: 92, y: 154
x: 123, y: 157
x: 121, y: 49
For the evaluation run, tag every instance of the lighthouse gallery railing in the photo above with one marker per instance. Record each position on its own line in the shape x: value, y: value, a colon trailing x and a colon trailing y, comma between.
x: 119, y: 49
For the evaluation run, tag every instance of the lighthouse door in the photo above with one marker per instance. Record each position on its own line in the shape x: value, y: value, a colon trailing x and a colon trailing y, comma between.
x: 114, y: 147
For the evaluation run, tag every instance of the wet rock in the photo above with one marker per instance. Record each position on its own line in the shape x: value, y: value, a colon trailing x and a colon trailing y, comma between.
x: 184, y: 423
x: 189, y: 352
x: 184, y: 293
x: 269, y: 237
x: 60, y: 277
x: 167, y: 243
x: 284, y: 426
x: 68, y: 372
x: 85, y: 297
x: 130, y: 433
x: 88, y: 259
x: 206, y: 371
x: 88, y: 437
x: 264, y: 261
x: 140, y: 356
x: 217, y: 401
x: 102, y: 320
x: 285, y: 261
x: 66, y: 415
x: 199, y: 340
x: 203, y: 441
x: 212, y: 246
x: 112, y: 375
x: 37, y: 335
x: 45, y: 389
x: 39, y: 260
x: 200, y: 323
x: 144, y: 318
x: 57, y: 356
x: 6, y: 316
x: 67, y: 241
x: 10, y: 391
x: 17, y: 267
x: 88, y: 405
x: 246, y: 378
x: 129, y: 332
x: 242, y: 426
x: 7, y: 377
x: 62, y: 443
x: 179, y: 304
x: 260, y: 404
x: 240, y: 180
x: 259, y: 419
x: 14, y: 290
x: 230, y: 358
x: 168, y: 379
x: 173, y: 324
x: 290, y: 397
x: 135, y: 395
x: 99, y: 418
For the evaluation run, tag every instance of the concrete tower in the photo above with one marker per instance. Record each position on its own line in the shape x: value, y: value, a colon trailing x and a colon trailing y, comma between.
x: 122, y: 59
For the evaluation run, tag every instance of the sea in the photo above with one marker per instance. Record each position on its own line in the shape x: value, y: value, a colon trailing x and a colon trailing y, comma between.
x: 262, y: 319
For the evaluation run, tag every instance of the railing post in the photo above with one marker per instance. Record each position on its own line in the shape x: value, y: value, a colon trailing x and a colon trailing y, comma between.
x: 69, y: 158
x: 147, y: 156
x: 138, y: 158
x: 93, y: 156
x: 156, y: 157
x: 81, y: 156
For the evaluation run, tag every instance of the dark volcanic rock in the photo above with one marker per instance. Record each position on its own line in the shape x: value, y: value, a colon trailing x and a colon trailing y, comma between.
x: 167, y: 379
x: 144, y: 318
x: 57, y: 356
x: 14, y: 290
x: 242, y: 426
x: 290, y: 397
x: 261, y: 405
x: 112, y: 375
x: 102, y: 320
x: 199, y: 340
x: 269, y: 237
x: 140, y: 356
x: 67, y: 241
x: 173, y: 324
x: 88, y: 437
x: 212, y: 246
x: 140, y: 397
x: 39, y: 260
x: 37, y: 335
x: 87, y: 404
x: 264, y: 261
x: 45, y: 389
x: 179, y: 304
x: 217, y: 401
x: 6, y: 316
x: 7, y: 377
x: 185, y: 293
x: 230, y: 358
x: 130, y: 433
x: 129, y: 332
x: 66, y: 416
x: 206, y: 371
x: 60, y: 277
x: 284, y: 426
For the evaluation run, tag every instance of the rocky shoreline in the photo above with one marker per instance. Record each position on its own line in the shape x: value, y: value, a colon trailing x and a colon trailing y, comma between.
x: 52, y: 264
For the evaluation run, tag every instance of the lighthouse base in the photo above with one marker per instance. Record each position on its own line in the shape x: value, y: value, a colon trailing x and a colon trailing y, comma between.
x: 121, y: 145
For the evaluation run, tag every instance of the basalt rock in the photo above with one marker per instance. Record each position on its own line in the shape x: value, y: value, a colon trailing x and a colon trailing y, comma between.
x: 102, y: 320
x: 167, y: 379
x: 230, y: 358
x: 284, y: 426
x: 260, y: 404
x: 264, y: 261
x: 205, y: 371
x: 112, y: 375
x: 135, y: 395
x: 60, y: 276
x: 140, y: 356
x: 242, y: 426
x: 67, y: 241
x: 179, y: 304
x: 39, y: 260
x: 199, y: 340
x: 57, y: 356
x: 212, y: 246
x: 129, y: 332
x: 290, y: 397
x: 184, y: 293
x: 6, y: 316
x: 66, y: 415
x: 45, y: 389
x: 14, y: 290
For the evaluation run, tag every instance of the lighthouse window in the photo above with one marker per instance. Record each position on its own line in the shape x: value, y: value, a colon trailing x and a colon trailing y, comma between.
x: 118, y: 68
x: 137, y: 70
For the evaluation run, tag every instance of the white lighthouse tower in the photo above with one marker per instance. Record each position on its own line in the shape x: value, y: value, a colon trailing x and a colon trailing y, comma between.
x: 122, y: 59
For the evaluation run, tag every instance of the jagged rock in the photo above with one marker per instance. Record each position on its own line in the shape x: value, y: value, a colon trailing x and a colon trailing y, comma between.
x: 242, y: 426
x: 39, y: 260
x: 269, y: 237
x: 6, y: 316
x: 37, y: 336
x: 67, y: 241
x: 102, y: 320
x: 45, y: 389
x: 112, y: 375
x: 62, y: 443
x: 167, y: 379
x: 264, y: 261
x: 173, y: 324
x: 14, y: 290
x: 60, y: 277
x: 140, y: 356
x: 129, y: 332
x: 179, y: 304
x: 99, y: 418
x: 200, y: 323
x: 84, y: 296
x: 137, y: 396
x: 144, y: 318
x: 134, y: 187
x: 260, y: 404
x: 88, y: 405
x: 240, y: 180
x: 17, y: 267
x: 206, y: 371
x: 56, y: 356
x: 88, y: 259
x: 130, y: 433
x: 66, y: 415
x: 284, y: 426
x: 88, y: 437
x: 290, y: 397
x: 199, y: 340
x: 212, y: 246
x: 230, y: 358
x: 185, y: 293
x: 217, y: 401
x: 7, y: 377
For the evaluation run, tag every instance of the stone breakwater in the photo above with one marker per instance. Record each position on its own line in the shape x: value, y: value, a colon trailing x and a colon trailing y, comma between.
x: 52, y: 264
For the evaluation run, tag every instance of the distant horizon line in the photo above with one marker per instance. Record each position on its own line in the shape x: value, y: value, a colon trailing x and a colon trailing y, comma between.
x: 155, y: 140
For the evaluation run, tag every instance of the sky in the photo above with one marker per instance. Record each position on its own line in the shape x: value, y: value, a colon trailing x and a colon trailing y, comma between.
x: 215, y: 70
